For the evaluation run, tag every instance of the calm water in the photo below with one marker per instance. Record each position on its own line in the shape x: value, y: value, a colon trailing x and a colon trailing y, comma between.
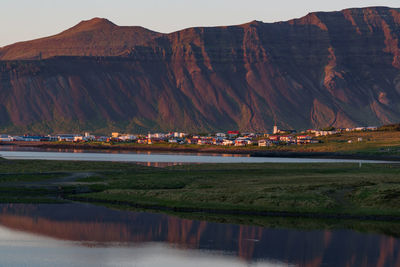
x: 87, y: 235
x: 13, y: 152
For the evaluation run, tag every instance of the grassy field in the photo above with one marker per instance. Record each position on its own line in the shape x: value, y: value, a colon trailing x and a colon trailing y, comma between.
x: 336, y: 189
x: 373, y: 143
x: 32, y: 181
x: 293, y: 188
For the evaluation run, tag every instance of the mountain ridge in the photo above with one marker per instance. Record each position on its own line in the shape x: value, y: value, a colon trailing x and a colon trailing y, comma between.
x: 98, y: 23
x: 325, y: 69
x: 95, y: 37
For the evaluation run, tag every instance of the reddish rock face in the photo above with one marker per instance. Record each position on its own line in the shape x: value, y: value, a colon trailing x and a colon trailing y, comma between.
x: 95, y: 37
x: 337, y: 68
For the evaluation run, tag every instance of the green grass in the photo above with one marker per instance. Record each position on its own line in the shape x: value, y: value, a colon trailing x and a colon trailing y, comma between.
x: 26, y: 177
x: 28, y: 195
x: 376, y: 143
x: 43, y: 166
x: 339, y: 189
x: 315, y: 188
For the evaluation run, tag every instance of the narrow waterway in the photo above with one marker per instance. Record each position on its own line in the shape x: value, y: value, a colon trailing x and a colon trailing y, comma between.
x: 13, y: 152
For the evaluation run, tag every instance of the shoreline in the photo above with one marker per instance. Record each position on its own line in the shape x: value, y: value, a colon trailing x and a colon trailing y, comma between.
x: 215, y: 211
x: 130, y: 147
x: 325, y: 155
x: 252, y: 152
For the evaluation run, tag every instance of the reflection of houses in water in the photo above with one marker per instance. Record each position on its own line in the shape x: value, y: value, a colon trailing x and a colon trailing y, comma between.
x: 88, y: 224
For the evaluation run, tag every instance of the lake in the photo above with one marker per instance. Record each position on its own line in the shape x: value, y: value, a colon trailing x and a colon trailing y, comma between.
x: 152, y: 158
x: 77, y: 234
x: 87, y: 235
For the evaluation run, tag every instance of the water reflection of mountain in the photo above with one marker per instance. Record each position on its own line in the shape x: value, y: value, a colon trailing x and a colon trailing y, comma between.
x: 87, y: 223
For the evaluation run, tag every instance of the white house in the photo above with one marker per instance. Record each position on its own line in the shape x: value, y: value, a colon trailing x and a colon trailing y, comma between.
x: 325, y: 133
x: 264, y: 143
x: 227, y: 142
x: 156, y: 136
x: 70, y: 137
x: 179, y: 135
x: 127, y: 137
x: 222, y: 135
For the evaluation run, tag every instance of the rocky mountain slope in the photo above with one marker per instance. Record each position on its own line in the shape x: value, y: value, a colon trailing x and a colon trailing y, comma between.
x: 96, y: 37
x: 335, y: 68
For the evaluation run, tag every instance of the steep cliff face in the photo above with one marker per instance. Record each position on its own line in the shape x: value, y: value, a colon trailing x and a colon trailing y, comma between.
x: 336, y: 68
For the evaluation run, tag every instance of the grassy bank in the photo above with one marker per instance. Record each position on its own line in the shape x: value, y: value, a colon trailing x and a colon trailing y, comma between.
x: 372, y: 143
x: 295, y: 190
x: 36, y: 181
x: 321, y: 190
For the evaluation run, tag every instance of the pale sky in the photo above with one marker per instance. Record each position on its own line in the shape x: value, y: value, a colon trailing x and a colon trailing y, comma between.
x: 22, y: 20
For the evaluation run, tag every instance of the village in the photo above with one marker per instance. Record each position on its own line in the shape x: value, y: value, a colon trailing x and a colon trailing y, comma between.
x: 230, y: 138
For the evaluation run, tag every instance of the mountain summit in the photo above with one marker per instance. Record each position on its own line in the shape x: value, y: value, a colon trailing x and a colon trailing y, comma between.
x: 95, y: 37
x: 90, y: 25
x: 337, y: 69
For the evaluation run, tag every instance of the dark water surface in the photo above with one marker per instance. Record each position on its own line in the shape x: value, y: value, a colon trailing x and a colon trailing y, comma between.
x: 87, y: 235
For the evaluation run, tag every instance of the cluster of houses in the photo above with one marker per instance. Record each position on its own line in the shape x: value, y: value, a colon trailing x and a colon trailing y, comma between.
x: 341, y: 130
x: 52, y: 138
x: 231, y: 138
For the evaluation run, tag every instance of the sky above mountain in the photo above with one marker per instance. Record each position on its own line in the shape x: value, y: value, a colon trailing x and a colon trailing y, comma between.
x: 26, y: 19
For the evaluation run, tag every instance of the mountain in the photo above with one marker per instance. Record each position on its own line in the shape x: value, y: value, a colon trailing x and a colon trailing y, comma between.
x: 95, y: 37
x: 326, y: 69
